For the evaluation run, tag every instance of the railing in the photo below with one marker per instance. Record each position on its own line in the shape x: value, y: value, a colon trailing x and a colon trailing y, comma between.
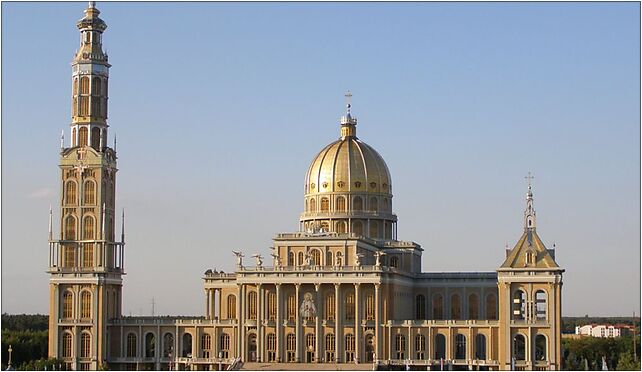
x: 443, y: 323
x: 146, y: 320
x: 349, y: 214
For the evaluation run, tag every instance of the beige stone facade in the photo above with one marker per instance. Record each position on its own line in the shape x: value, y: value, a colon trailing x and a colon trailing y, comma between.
x: 344, y: 289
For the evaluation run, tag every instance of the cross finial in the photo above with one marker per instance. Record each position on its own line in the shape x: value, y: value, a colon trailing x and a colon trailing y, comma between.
x: 348, y: 96
x: 529, y: 178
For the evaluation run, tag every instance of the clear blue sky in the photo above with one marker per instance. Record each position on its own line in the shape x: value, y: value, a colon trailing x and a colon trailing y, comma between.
x: 220, y: 107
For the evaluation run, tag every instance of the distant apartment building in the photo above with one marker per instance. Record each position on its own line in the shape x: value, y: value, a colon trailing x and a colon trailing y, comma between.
x: 603, y: 330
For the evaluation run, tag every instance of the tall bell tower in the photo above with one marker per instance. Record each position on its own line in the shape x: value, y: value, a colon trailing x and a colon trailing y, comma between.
x: 86, y: 263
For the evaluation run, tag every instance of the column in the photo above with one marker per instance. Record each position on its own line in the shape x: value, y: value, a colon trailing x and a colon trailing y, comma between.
x: 207, y: 304
x: 317, y: 330
x: 357, y: 324
x: 278, y: 324
x: 297, y: 326
x: 409, y: 344
x: 259, y: 319
x: 239, y: 316
x: 338, y: 335
x: 377, y: 323
x: 219, y: 301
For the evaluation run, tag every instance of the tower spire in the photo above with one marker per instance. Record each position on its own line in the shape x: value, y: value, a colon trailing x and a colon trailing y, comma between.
x: 529, y: 213
x: 348, y: 123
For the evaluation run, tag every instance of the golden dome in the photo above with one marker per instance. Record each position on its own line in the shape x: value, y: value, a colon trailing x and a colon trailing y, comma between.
x: 348, y: 165
x: 348, y: 189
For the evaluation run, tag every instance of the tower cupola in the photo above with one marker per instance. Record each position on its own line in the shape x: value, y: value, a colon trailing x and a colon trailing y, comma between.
x: 90, y: 75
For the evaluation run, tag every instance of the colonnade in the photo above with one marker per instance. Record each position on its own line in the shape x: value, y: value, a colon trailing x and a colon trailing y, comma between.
x: 252, y: 340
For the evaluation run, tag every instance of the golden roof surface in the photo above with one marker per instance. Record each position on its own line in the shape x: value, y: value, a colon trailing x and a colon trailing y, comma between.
x: 348, y: 165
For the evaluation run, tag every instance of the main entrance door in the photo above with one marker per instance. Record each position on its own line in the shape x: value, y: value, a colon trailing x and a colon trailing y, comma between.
x: 369, y: 348
x: 251, y: 348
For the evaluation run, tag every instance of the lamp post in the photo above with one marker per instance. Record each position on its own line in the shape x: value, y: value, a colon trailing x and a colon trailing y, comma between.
x: 9, y: 363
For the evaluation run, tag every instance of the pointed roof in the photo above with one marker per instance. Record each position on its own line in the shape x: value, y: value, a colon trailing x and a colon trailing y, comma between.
x: 529, y: 245
x: 529, y: 253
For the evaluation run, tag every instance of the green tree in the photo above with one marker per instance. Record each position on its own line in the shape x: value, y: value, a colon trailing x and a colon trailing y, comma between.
x: 626, y: 362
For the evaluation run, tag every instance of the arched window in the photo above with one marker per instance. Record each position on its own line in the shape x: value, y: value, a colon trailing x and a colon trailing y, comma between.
x: 455, y: 307
x: 307, y: 205
x: 73, y: 131
x: 329, y: 307
x: 70, y: 255
x: 70, y: 193
x: 370, y: 306
x: 374, y: 229
x: 150, y: 345
x: 349, y: 347
x: 460, y: 346
x: 251, y: 309
x: 341, y: 204
x: 67, y: 305
x: 224, y: 345
x: 473, y: 306
x: 349, y: 306
x: 519, y: 305
x: 132, y: 346
x: 438, y: 307
x: 400, y: 347
x: 420, y: 347
x: 357, y: 228
x: 325, y: 204
x: 315, y: 255
x: 271, y: 299
x: 341, y: 227
x: 540, y: 347
x: 290, y: 347
x: 85, y: 345
x: 519, y: 347
x: 271, y: 347
x: 74, y: 87
x: 374, y: 204
x: 420, y: 307
x: 339, y: 259
x: 84, y: 85
x: 480, y: 347
x: 313, y: 205
x: 231, y: 307
x: 291, y: 308
x: 66, y: 345
x: 357, y: 203
x: 394, y: 261
x: 300, y: 258
x: 83, y: 136
x: 491, y: 307
x: 187, y: 345
x: 328, y: 258
x: 168, y: 345
x: 87, y: 255
x: 88, y: 228
x: 95, y: 135
x: 330, y: 347
x: 96, y: 88
x: 290, y: 258
x: 540, y: 305
x: 85, y: 305
x: 70, y: 228
x: 440, y: 347
x: 206, y: 344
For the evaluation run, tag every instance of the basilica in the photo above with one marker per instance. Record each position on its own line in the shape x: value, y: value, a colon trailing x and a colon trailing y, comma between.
x: 342, y: 290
